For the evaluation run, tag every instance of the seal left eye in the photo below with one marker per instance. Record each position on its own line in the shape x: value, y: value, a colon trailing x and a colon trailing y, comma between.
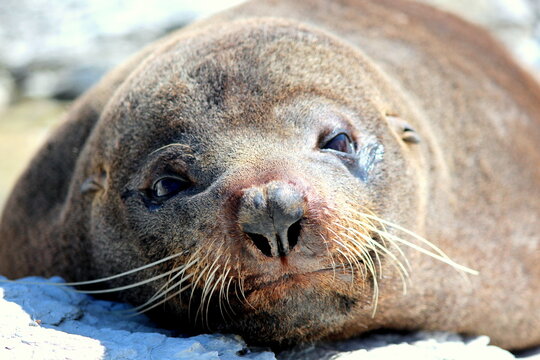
x: 340, y: 142
x: 169, y: 186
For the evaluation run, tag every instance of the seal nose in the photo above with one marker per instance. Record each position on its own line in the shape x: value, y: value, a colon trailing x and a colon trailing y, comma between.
x: 270, y: 215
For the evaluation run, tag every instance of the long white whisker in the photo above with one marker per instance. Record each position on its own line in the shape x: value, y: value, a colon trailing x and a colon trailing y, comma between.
x: 441, y: 255
x: 227, y: 292
x: 162, y: 301
x: 361, y: 252
x: 95, y: 281
x: 205, y: 297
x: 347, y: 257
x: 222, y: 289
x: 179, y: 273
x: 444, y: 259
x: 330, y: 253
x: 201, y: 274
x: 370, y: 265
x: 205, y: 270
x: 375, y: 246
x: 242, y: 290
x: 159, y: 294
x: 125, y: 287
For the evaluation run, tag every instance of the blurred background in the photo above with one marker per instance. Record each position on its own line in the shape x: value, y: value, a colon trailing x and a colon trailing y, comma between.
x: 51, y: 51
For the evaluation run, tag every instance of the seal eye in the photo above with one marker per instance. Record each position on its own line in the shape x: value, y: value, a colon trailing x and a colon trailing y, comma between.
x: 169, y: 186
x: 341, y: 143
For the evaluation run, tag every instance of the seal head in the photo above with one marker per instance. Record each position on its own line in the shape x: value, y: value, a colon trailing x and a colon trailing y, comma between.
x: 234, y: 150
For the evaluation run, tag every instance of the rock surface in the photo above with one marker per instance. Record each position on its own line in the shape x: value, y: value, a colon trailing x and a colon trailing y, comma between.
x: 47, y: 321
x: 55, y: 322
x: 50, y: 45
x: 61, y: 47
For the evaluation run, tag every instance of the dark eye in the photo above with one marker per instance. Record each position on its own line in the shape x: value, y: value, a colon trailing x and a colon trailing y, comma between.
x: 169, y: 186
x: 340, y: 142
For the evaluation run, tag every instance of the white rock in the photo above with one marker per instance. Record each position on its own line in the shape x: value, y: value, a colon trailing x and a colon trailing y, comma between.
x: 54, y: 322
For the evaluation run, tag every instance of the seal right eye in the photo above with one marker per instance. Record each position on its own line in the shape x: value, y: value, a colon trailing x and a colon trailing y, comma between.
x: 167, y: 187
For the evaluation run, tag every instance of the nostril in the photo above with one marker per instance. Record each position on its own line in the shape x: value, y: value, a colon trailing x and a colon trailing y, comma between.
x: 270, y: 215
x: 293, y: 234
x: 276, y: 245
x: 261, y: 242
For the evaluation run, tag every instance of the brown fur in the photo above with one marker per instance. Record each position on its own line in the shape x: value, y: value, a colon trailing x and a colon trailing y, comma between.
x: 248, y: 97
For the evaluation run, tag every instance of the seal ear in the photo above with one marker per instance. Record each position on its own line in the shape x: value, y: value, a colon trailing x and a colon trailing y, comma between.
x: 403, y: 129
x: 94, y: 183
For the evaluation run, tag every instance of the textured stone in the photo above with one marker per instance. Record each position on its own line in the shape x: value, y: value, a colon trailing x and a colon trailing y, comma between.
x: 48, y: 321
x: 41, y: 320
x: 61, y: 47
x: 44, y: 41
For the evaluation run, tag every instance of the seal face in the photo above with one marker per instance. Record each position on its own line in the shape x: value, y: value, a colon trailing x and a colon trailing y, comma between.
x: 248, y: 174
x: 266, y: 178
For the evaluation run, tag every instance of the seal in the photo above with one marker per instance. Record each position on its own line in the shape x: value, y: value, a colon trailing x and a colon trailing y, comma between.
x: 299, y: 171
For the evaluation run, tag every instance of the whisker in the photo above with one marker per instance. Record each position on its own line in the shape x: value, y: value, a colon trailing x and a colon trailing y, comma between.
x: 206, y: 293
x: 384, y: 229
x: 162, y: 301
x: 95, y: 281
x: 204, y: 272
x: 441, y: 256
x: 363, y: 254
x: 185, y: 146
x: 425, y: 241
x: 371, y: 267
x: 330, y: 253
x: 402, y: 272
x: 346, y: 256
x: 351, y: 267
x: 159, y: 294
x: 359, y: 251
x: 213, y: 289
x: 443, y: 259
x: 376, y: 247
x: 368, y: 262
x: 369, y: 224
x: 242, y: 290
x: 201, y: 274
x: 222, y: 289
x: 163, y: 290
x: 227, y: 292
x: 130, y: 286
x: 180, y: 273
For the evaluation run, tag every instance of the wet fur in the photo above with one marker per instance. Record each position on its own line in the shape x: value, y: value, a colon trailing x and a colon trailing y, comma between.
x: 472, y: 186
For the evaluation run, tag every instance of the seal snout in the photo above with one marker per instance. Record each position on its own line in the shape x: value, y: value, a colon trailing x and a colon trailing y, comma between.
x: 270, y: 215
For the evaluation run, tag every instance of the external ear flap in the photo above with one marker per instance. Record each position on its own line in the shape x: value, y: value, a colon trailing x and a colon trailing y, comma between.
x: 403, y: 129
x: 94, y: 183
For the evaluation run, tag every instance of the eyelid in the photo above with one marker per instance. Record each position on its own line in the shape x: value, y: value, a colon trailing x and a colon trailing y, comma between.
x: 325, y: 137
x: 332, y: 135
x: 162, y: 165
x: 179, y: 185
x: 181, y: 178
x: 184, y: 147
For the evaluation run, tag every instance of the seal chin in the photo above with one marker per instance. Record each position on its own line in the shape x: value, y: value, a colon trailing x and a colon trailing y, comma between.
x: 281, y: 311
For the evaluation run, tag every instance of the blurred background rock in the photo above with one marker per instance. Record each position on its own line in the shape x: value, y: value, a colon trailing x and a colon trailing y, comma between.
x: 53, y: 50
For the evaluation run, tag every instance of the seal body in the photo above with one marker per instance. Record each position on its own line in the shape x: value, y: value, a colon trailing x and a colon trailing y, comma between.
x: 307, y: 170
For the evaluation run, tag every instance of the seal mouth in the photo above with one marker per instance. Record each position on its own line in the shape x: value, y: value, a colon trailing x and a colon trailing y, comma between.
x: 288, y: 278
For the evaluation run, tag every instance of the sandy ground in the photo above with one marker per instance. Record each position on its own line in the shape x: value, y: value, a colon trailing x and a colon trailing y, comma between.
x: 23, y: 128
